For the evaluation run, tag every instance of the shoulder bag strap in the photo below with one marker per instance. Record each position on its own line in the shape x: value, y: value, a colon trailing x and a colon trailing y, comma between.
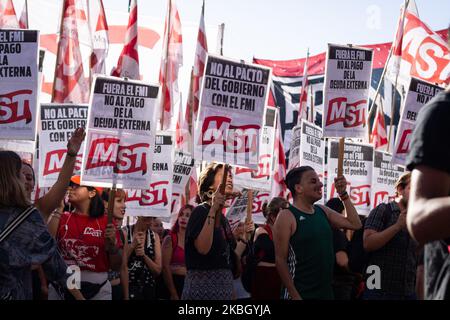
x: 15, y: 223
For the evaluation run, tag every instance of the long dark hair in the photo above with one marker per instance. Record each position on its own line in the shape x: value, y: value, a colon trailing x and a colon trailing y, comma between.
x: 96, y: 205
x: 176, y: 225
x: 12, y: 189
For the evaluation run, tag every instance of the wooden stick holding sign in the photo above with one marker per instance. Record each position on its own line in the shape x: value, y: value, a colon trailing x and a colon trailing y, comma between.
x: 222, y: 188
x: 249, y: 218
x: 111, y: 198
x: 340, y: 169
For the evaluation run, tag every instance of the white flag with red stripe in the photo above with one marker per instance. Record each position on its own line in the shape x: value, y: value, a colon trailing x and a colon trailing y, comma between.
x: 199, y: 62
x: 128, y: 64
x: 279, y: 171
x: 418, y: 52
x: 70, y: 84
x: 183, y: 139
x: 8, y: 18
x: 379, y: 134
x: 100, y: 40
x: 303, y: 109
x: 23, y: 22
x: 172, y: 60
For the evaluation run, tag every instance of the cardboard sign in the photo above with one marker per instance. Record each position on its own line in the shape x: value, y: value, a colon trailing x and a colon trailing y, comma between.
x: 156, y: 199
x: 121, y: 134
x: 294, y: 150
x: 18, y: 84
x: 57, y: 124
x: 346, y: 91
x: 312, y: 149
x: 231, y: 115
x: 419, y: 93
x: 260, y: 179
x: 358, y: 164
x: 384, y: 176
x: 238, y: 209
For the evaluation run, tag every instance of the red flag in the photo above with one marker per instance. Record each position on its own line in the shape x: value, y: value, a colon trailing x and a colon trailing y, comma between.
x: 128, y: 64
x: 199, y: 62
x: 23, y: 22
x: 100, y: 40
x: 303, y: 110
x: 70, y: 85
x: 182, y: 135
x: 172, y: 59
x: 418, y: 52
x: 279, y: 174
x: 8, y: 18
x: 379, y: 133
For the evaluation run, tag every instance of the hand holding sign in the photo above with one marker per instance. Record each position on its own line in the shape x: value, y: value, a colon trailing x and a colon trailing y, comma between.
x: 218, y: 199
x: 75, y: 141
x: 341, y: 185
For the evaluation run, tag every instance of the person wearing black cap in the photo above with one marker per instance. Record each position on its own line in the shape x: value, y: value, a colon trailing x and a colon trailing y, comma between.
x: 303, y: 238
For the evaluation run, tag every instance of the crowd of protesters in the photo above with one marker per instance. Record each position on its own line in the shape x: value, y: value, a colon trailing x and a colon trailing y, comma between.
x: 304, y: 250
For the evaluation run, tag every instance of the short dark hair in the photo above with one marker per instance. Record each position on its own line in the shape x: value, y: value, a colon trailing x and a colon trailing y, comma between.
x: 294, y: 177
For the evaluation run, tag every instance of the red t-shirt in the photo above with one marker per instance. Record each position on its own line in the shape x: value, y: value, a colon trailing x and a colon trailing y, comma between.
x: 81, y: 240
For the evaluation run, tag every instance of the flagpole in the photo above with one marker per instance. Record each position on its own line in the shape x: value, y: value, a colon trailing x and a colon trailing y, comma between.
x: 168, y: 29
x: 221, y: 31
x: 58, y: 52
x: 405, y: 8
x: 312, y: 104
x: 26, y: 16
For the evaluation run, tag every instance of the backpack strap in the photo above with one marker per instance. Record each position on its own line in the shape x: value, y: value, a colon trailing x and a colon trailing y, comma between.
x: 16, y: 222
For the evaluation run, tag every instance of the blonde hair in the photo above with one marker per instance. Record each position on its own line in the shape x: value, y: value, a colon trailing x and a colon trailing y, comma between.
x: 12, y: 189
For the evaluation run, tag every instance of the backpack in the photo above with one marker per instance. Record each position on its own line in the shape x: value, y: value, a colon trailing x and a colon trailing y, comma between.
x: 251, y: 262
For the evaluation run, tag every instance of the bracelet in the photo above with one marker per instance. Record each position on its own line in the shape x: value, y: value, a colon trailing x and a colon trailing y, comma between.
x: 71, y: 154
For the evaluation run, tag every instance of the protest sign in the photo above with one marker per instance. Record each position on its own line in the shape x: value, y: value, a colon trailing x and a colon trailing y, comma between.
x: 294, y: 150
x: 57, y: 124
x: 231, y: 115
x: 357, y: 169
x: 346, y: 91
x: 384, y: 176
x: 419, y: 93
x: 183, y: 167
x: 259, y: 198
x: 260, y: 179
x: 156, y: 199
x: 121, y: 134
x: 237, y: 210
x: 312, y: 149
x: 18, y: 84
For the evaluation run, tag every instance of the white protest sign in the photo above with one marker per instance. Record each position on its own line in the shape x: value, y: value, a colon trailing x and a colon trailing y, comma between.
x: 57, y: 124
x: 231, y: 115
x: 312, y: 149
x: 238, y: 209
x: 384, y: 176
x: 183, y: 167
x: 358, y: 164
x: 260, y: 179
x: 346, y: 91
x: 294, y: 150
x: 419, y: 93
x: 18, y: 84
x: 156, y: 199
x: 121, y: 134
x: 259, y: 198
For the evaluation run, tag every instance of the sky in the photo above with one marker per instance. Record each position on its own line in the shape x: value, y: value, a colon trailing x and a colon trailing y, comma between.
x: 285, y: 29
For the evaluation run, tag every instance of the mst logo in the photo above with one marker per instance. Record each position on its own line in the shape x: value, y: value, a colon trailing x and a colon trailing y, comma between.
x: 155, y: 195
x: 107, y: 152
x: 217, y: 130
x: 54, y: 161
x: 405, y: 139
x: 15, y: 106
x: 360, y: 195
x: 264, y: 165
x: 350, y: 114
x: 259, y: 200
x: 382, y: 196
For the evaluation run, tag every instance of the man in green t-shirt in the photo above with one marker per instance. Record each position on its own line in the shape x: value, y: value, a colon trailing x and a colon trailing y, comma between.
x: 303, y: 236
